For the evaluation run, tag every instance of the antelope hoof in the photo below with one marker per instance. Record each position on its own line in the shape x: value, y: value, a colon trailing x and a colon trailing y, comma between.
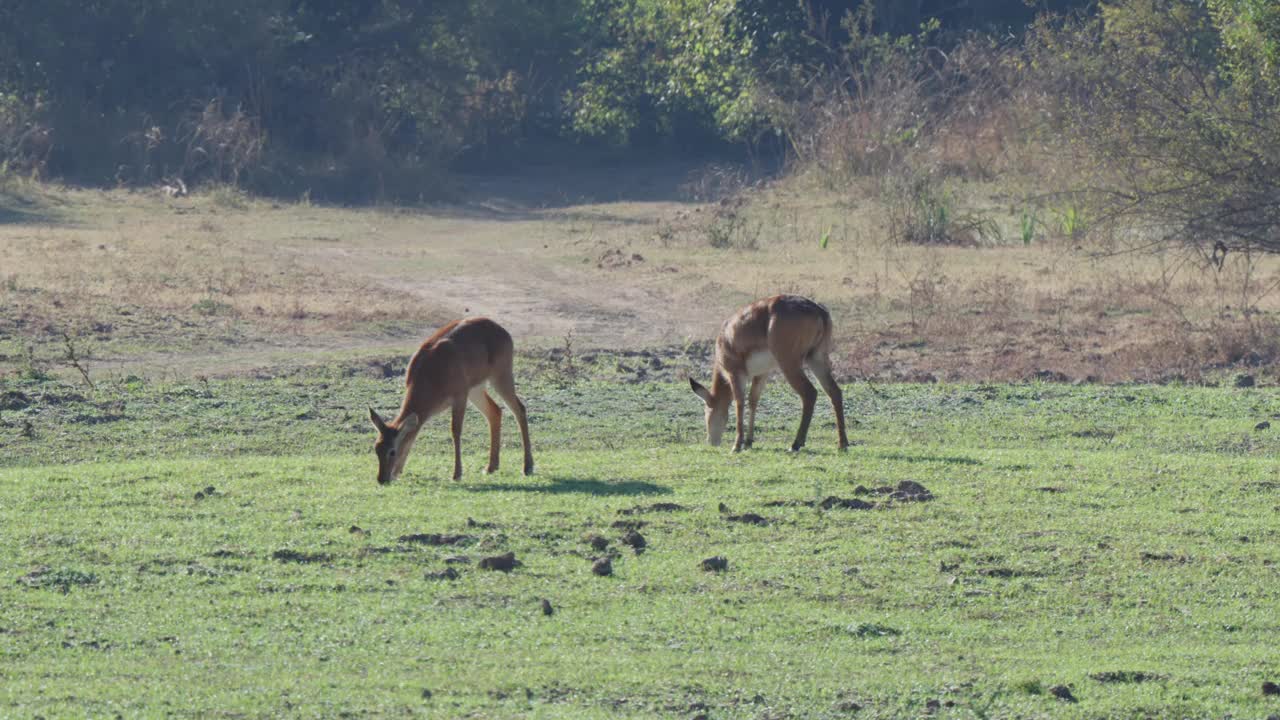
x: 528, y: 470
x: 491, y: 470
x: 796, y: 448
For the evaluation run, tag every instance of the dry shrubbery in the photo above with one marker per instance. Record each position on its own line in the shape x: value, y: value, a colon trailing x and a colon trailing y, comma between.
x: 1135, y: 166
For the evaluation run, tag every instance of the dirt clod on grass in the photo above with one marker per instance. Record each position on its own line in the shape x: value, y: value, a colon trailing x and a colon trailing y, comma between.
x: 445, y: 574
x: 1245, y: 381
x: 616, y: 258
x: 1062, y: 692
x: 546, y: 607
x: 602, y: 567
x: 628, y: 524
x: 831, y: 502
x: 597, y: 542
x: 13, y: 400
x: 1264, y: 425
x: 287, y: 555
x: 748, y: 518
x: 504, y: 563
x: 1270, y: 688
x: 436, y: 539
x: 1162, y: 557
x: 911, y: 491
x: 715, y: 564
x: 457, y: 560
x: 1125, y: 676
x: 635, y: 541
x: 656, y: 507
x: 61, y: 579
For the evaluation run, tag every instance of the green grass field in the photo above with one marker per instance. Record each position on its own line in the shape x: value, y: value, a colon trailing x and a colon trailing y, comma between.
x: 1118, y: 541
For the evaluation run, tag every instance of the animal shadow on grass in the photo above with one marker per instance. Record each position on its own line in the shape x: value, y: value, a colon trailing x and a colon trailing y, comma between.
x: 947, y: 459
x: 586, y: 486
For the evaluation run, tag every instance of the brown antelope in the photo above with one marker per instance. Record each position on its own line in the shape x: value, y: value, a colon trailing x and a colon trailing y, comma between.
x: 450, y: 368
x: 787, y: 332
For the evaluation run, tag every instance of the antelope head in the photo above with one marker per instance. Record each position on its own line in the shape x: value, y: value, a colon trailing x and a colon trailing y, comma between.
x: 717, y: 410
x: 390, y: 446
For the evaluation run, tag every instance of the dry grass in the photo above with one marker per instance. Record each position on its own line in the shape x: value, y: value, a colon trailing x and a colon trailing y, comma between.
x: 207, y: 286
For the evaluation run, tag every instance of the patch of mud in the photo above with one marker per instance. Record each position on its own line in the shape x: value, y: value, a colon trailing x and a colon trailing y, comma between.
x: 223, y: 553
x: 1094, y: 434
x: 615, y: 258
x: 905, y: 491
x: 1000, y: 572
x: 502, y: 563
x: 375, y: 550
x: 436, y: 539
x: 1062, y: 692
x: 656, y: 507
x: 287, y: 555
x: 13, y: 400
x: 60, y: 579
x: 445, y: 574
x: 715, y: 564
x: 748, y: 518
x: 831, y: 502
x: 1126, y: 676
x: 1163, y: 557
x: 628, y: 524
x: 635, y: 541
x: 864, y: 630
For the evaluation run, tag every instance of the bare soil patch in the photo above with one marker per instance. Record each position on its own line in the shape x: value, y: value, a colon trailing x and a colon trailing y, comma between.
x: 625, y: 259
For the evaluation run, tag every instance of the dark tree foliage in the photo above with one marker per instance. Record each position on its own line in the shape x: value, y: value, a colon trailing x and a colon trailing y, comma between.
x: 360, y: 98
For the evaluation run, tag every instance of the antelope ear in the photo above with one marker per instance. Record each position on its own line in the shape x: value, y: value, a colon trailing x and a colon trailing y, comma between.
x: 700, y: 391
x: 410, y: 423
x: 377, y: 421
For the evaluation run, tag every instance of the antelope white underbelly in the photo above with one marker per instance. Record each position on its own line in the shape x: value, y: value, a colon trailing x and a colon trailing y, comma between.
x: 760, y: 362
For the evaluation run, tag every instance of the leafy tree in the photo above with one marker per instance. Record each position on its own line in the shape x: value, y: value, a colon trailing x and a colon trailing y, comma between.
x: 1173, y: 102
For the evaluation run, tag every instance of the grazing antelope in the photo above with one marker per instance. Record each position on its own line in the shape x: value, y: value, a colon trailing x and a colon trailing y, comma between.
x: 450, y: 368
x: 787, y: 332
